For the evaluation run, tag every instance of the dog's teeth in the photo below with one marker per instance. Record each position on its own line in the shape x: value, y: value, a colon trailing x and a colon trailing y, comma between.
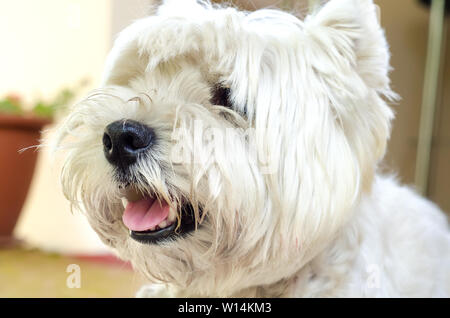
x: 124, y: 202
x: 153, y: 228
x: 172, y: 215
x: 163, y: 224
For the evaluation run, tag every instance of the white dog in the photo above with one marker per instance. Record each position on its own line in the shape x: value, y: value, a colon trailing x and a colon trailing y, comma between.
x: 246, y: 147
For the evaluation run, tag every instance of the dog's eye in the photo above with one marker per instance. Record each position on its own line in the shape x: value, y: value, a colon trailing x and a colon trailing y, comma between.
x: 221, y: 96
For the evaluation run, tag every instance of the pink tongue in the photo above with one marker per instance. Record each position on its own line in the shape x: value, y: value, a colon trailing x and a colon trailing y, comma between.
x: 144, y: 214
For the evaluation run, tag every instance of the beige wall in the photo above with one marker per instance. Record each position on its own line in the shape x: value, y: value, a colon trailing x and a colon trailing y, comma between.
x: 406, y: 26
x: 124, y: 12
x: 48, y: 44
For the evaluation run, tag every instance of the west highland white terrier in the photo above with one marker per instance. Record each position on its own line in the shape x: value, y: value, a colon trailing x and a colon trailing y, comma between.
x: 231, y: 153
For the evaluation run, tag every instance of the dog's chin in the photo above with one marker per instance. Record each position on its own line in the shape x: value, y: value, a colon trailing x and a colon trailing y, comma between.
x: 170, y: 226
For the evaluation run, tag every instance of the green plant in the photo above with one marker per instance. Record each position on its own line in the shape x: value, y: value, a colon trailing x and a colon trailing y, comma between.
x: 13, y: 103
x: 48, y: 109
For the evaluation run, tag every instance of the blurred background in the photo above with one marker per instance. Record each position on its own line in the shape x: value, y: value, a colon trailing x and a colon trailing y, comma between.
x: 52, y: 52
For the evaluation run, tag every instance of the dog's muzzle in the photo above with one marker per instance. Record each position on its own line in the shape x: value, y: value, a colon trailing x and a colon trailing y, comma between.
x: 149, y: 221
x: 124, y: 140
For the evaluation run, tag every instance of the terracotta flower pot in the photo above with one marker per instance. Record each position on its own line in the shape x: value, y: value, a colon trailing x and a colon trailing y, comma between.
x: 16, y: 169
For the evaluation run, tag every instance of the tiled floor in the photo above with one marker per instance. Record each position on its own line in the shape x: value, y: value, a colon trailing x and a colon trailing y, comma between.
x: 33, y: 273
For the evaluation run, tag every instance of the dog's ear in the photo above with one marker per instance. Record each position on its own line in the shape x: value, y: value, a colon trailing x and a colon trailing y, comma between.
x: 349, y: 53
x: 349, y: 32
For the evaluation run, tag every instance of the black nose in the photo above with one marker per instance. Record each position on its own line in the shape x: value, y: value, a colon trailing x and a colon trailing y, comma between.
x: 124, y: 140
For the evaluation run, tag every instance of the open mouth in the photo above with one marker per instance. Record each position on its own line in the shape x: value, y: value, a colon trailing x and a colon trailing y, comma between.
x: 151, y: 221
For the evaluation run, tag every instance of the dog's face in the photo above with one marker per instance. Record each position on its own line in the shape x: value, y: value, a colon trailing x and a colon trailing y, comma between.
x: 225, y: 149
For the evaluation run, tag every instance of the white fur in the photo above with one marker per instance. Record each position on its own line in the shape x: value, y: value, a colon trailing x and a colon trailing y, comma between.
x: 315, y: 218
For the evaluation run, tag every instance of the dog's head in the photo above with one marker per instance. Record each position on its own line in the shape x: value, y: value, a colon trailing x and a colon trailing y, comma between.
x: 225, y: 148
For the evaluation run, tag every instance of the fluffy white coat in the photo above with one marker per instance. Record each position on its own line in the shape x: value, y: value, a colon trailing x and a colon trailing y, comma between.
x: 306, y: 214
